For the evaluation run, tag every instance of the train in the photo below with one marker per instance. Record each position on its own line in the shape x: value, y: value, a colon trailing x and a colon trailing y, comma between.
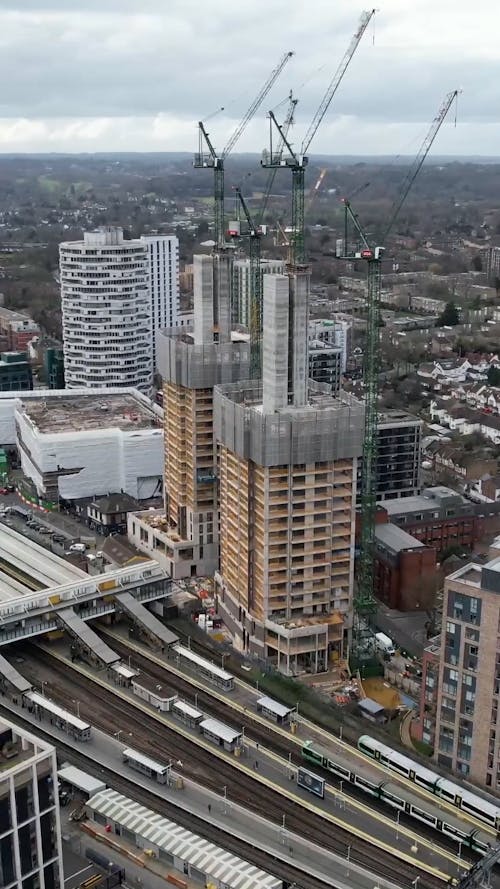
x: 391, y: 794
x: 447, y: 790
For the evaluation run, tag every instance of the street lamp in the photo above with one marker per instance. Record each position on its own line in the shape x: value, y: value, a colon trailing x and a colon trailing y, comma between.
x: 44, y: 683
x: 348, y: 859
x: 398, y: 813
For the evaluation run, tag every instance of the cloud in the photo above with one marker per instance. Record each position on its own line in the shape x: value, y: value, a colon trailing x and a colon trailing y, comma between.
x: 84, y: 74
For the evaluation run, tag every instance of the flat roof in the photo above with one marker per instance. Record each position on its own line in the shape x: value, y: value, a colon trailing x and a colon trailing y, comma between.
x: 143, y: 760
x: 199, y: 661
x: 220, y: 730
x: 149, y: 683
x: 395, y: 539
x: 21, y: 558
x: 46, y: 704
x: 274, y: 706
x: 187, y: 710
x: 81, y: 780
x: 64, y: 411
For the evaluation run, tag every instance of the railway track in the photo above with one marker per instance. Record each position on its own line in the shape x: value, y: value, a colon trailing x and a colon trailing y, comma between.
x: 214, y: 833
x: 111, y: 714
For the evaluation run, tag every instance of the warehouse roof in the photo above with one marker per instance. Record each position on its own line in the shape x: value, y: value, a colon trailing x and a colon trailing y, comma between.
x: 66, y: 411
x: 216, y: 863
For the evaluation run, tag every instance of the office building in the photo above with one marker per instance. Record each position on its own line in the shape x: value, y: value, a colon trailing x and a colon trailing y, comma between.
x: 398, y: 455
x: 241, y: 285
x: 106, y: 311
x: 30, y: 831
x: 163, y: 255
x: 325, y: 365
x: 287, y: 456
x: 184, y: 537
x: 467, y: 734
x: 15, y: 372
x: 53, y: 366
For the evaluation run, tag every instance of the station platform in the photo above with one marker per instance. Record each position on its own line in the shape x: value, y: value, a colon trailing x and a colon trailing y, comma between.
x: 359, y: 818
x: 243, y: 698
x: 148, y: 622
x: 85, y: 635
x: 105, y: 751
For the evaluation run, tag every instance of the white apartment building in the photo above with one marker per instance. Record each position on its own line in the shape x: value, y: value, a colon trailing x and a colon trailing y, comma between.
x: 335, y: 332
x: 106, y: 311
x: 30, y: 832
x: 163, y: 253
x: 241, y: 285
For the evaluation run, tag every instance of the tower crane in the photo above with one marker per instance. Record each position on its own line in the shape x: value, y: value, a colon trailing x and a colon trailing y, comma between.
x: 207, y: 156
x: 297, y: 162
x: 278, y: 152
x: 364, y: 600
x: 255, y: 289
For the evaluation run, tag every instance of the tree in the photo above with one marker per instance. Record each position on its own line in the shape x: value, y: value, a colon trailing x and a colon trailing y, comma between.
x: 477, y: 263
x: 449, y: 316
x: 494, y: 375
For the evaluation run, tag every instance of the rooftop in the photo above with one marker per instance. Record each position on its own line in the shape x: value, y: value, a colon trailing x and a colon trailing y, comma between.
x: 25, y: 566
x: 431, y: 498
x: 66, y: 411
x: 395, y: 539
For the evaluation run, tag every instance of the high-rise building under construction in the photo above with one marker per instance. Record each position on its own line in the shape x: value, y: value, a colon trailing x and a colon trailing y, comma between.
x: 192, y: 361
x: 287, y: 461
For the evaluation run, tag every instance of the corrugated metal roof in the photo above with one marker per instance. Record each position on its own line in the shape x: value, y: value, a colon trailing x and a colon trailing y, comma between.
x: 146, y: 619
x: 91, y: 640
x: 213, y: 861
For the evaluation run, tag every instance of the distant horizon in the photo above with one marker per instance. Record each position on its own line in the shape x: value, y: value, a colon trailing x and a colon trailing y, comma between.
x: 434, y: 159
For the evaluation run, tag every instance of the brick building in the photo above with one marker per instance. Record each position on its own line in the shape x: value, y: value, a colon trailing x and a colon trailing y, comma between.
x: 405, y: 569
x: 16, y: 330
x: 439, y: 518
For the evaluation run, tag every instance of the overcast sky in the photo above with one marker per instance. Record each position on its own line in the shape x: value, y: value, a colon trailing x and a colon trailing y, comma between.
x: 101, y: 75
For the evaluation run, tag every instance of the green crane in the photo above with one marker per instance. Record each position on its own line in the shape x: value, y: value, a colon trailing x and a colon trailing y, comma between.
x: 364, y: 599
x: 207, y: 157
x: 253, y: 233
x: 297, y: 162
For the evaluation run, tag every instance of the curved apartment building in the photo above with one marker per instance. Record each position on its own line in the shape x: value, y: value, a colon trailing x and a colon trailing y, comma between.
x: 106, y: 311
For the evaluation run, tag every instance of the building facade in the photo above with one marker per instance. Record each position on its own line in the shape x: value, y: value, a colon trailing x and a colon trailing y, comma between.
x: 30, y: 831
x: 192, y: 360
x: 467, y: 735
x: 287, y: 476
x: 16, y: 330
x: 325, y: 365
x: 163, y: 256
x: 398, y: 455
x: 439, y: 518
x: 334, y: 331
x: 106, y: 311
x: 404, y: 569
x: 15, y: 372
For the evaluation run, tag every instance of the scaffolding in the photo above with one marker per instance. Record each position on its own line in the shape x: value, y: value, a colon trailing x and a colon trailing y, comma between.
x: 326, y: 429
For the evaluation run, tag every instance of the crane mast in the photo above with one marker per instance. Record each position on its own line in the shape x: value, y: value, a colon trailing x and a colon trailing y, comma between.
x: 207, y: 156
x: 298, y: 162
x: 364, y: 599
x: 255, y: 290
